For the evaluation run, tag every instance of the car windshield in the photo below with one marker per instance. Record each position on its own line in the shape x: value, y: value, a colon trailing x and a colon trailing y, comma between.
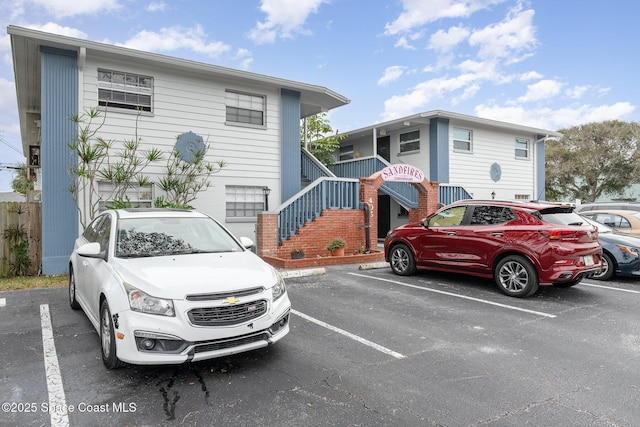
x: 144, y: 237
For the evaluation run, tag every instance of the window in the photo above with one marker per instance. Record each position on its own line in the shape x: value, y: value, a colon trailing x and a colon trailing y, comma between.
x: 245, y: 108
x: 522, y: 148
x: 139, y: 197
x: 448, y: 218
x: 244, y: 201
x: 410, y: 141
x: 346, y: 152
x: 125, y: 90
x: 462, y: 139
x: 491, y: 215
x: 522, y: 197
x: 99, y: 231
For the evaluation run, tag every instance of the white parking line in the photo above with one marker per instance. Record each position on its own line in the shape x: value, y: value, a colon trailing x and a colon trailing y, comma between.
x: 350, y: 335
x: 3, y: 302
x: 610, y: 288
x: 57, y: 402
x: 510, y: 307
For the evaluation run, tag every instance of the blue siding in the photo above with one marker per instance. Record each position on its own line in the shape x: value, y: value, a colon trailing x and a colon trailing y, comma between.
x: 439, y: 150
x: 539, y: 172
x: 59, y: 102
x: 290, y: 164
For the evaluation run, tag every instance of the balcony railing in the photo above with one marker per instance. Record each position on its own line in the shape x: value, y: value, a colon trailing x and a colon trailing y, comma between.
x: 403, y: 192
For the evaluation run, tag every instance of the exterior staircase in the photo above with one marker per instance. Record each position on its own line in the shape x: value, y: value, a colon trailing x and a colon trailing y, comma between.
x: 338, y: 188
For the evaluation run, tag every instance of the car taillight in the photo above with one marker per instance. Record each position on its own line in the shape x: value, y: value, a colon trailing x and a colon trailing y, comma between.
x: 559, y: 234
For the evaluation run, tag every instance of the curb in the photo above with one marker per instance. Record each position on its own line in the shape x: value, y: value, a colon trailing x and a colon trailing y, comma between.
x: 319, y: 271
x: 303, y: 272
x: 372, y: 265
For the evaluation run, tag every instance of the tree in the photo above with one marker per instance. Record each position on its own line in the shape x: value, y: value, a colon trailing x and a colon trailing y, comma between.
x: 123, y: 165
x: 98, y: 161
x: 321, y: 140
x: 183, y: 180
x: 592, y: 160
x: 20, y: 183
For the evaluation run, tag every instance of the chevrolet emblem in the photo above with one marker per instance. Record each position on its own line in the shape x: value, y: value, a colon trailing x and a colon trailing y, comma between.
x: 231, y: 300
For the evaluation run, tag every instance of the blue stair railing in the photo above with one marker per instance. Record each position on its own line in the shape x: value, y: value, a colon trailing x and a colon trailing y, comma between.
x: 305, y: 206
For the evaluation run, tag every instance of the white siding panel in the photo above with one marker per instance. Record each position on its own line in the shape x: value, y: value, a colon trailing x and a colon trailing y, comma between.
x: 472, y: 170
x: 183, y: 103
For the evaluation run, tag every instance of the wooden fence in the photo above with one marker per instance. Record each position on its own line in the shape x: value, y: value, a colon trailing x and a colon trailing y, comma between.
x: 29, y: 215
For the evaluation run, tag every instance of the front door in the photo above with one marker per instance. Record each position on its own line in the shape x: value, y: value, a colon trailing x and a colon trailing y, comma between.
x: 384, y: 148
x: 384, y: 215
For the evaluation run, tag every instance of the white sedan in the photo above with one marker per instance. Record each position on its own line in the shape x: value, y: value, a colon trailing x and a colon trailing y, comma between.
x: 171, y: 286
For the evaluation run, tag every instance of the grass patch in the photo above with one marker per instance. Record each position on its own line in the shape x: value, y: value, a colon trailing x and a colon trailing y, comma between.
x: 20, y: 283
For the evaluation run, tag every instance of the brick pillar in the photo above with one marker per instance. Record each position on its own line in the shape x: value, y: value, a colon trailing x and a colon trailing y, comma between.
x: 267, y: 235
x: 427, y: 201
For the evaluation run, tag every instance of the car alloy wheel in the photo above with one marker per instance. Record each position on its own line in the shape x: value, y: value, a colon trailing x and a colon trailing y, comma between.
x: 608, y: 269
x: 73, y: 302
x: 107, y: 338
x: 402, y: 261
x: 516, y: 276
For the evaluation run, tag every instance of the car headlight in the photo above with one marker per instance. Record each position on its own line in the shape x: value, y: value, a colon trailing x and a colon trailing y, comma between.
x: 278, y: 289
x: 635, y: 252
x: 145, y: 303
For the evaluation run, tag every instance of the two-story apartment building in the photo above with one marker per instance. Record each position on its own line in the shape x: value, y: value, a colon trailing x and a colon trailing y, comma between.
x: 469, y: 156
x: 250, y: 121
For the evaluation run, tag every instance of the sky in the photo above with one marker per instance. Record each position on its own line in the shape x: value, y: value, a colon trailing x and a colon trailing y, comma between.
x: 540, y: 63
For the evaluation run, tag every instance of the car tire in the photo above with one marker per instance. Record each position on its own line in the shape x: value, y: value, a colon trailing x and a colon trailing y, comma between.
x: 107, y: 338
x: 608, y: 268
x: 73, y: 302
x: 516, y: 276
x: 401, y: 260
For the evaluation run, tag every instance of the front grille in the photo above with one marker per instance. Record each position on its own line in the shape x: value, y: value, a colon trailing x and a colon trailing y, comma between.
x: 221, y: 345
x: 224, y: 295
x: 228, y: 314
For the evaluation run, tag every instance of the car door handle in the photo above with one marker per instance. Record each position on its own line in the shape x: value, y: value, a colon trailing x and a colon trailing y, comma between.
x: 451, y: 233
x: 497, y: 234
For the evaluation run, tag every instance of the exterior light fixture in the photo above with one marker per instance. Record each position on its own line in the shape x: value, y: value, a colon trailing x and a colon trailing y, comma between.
x: 266, y: 191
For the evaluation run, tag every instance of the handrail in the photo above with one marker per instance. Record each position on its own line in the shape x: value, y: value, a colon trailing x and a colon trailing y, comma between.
x: 312, y: 168
x: 323, y: 193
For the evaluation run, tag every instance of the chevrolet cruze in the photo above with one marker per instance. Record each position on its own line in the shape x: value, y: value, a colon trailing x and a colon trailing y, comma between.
x: 166, y: 286
x: 521, y: 245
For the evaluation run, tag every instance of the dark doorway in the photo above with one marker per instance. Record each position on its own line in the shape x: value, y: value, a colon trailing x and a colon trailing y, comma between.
x: 384, y: 148
x: 384, y: 215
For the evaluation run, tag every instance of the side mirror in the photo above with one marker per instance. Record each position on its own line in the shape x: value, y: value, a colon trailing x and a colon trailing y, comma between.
x: 91, y: 250
x: 246, y: 242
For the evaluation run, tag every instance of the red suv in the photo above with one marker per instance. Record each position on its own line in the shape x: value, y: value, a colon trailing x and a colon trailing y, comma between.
x: 520, y: 244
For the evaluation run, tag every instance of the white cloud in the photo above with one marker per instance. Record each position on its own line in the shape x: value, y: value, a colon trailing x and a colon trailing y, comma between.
x: 577, y: 91
x: 423, y: 93
x: 157, y: 6
x: 417, y: 13
x: 244, y: 58
x: 391, y: 74
x: 175, y: 38
x: 558, y: 118
x: 543, y: 89
x: 444, y: 41
x: 67, y: 8
x: 512, y: 37
x: 530, y: 75
x: 52, y: 27
x: 284, y: 18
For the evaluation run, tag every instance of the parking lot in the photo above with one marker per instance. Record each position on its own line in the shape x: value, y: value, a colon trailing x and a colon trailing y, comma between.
x: 366, y: 348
